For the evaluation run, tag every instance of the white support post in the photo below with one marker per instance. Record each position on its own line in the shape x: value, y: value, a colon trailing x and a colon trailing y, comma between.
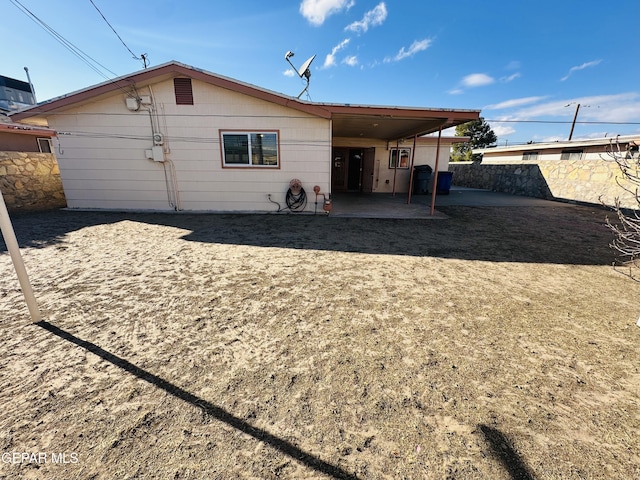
x: 12, y: 245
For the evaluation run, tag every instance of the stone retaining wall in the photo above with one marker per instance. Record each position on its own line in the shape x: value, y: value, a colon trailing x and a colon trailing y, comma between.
x: 30, y: 181
x: 581, y: 181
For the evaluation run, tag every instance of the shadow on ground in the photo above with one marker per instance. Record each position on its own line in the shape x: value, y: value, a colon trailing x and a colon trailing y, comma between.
x: 562, y: 235
x: 207, y: 408
x: 504, y: 451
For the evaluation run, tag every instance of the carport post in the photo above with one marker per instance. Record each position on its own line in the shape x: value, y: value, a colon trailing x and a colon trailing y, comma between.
x: 14, y: 250
x: 395, y: 166
x: 435, y: 174
x: 413, y: 157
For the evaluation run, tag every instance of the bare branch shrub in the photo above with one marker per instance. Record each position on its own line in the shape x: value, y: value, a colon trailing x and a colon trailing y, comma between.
x: 627, y: 229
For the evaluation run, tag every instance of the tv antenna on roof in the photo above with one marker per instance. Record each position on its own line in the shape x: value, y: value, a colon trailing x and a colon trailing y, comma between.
x: 303, y: 71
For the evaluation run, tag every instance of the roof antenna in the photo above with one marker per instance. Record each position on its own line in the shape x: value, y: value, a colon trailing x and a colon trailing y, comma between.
x: 303, y: 71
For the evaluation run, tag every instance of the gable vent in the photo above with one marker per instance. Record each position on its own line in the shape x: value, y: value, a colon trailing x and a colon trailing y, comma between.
x: 184, y: 92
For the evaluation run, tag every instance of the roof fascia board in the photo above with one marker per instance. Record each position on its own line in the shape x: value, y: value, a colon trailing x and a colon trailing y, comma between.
x: 27, y: 130
x: 556, y: 145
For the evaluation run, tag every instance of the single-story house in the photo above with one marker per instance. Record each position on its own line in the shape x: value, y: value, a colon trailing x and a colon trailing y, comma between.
x: 174, y: 137
x: 585, y: 171
x: 18, y: 137
x: 589, y: 149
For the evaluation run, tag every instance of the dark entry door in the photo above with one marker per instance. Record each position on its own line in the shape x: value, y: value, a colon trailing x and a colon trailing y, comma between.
x: 367, y: 169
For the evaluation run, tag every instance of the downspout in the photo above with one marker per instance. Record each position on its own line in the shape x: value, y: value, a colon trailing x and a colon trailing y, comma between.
x: 435, y: 174
x: 413, y: 157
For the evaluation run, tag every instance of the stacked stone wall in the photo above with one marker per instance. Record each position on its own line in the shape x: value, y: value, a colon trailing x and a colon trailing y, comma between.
x: 580, y: 181
x: 30, y: 181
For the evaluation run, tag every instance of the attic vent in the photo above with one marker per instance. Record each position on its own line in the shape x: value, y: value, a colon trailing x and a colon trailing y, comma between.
x: 184, y: 92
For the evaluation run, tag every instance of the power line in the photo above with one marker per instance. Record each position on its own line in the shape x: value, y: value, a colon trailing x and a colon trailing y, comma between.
x: 144, y: 55
x: 564, y: 122
x: 88, y: 60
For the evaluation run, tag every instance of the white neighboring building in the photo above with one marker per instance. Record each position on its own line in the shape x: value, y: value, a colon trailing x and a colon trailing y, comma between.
x: 591, y: 149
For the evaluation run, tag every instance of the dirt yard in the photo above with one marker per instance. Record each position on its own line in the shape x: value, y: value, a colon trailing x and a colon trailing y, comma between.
x: 498, y: 343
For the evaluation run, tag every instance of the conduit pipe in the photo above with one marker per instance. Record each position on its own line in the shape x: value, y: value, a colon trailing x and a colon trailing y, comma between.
x: 18, y: 264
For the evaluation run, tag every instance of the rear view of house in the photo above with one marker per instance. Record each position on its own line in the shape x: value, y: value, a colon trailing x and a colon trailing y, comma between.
x: 174, y: 137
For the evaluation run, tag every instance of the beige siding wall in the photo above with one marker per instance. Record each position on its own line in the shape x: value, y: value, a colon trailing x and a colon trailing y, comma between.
x: 383, y: 180
x: 103, y: 162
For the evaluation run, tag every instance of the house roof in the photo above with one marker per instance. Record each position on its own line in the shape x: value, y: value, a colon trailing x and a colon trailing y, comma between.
x: 367, y: 121
x: 593, y: 142
x: 22, y: 129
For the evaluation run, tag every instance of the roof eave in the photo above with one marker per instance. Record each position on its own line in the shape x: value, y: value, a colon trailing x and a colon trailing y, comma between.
x: 170, y: 68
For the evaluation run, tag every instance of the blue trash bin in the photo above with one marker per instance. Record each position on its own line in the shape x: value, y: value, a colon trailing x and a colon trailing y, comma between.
x: 444, y: 183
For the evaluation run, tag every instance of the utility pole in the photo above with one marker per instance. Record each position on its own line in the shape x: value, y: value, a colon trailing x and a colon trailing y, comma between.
x: 573, y: 125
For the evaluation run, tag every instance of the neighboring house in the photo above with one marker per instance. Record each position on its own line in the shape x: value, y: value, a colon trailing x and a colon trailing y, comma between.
x: 591, y: 149
x: 18, y: 137
x: 15, y: 94
x: 29, y: 175
x: 583, y: 171
x: 177, y: 137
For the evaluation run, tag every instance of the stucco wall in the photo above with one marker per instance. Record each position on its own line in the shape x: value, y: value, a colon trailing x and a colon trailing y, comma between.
x: 30, y: 181
x: 383, y: 176
x: 584, y: 181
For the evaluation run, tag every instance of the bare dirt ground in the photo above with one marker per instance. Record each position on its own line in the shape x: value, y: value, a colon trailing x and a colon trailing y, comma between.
x: 498, y: 343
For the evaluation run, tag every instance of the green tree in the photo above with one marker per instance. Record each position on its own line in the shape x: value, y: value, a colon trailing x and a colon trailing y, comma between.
x: 481, y: 136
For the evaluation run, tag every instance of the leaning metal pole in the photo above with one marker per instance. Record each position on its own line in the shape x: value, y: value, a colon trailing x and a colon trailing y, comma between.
x: 14, y: 251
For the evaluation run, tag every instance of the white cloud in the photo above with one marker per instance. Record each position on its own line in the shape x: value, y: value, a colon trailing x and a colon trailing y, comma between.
x: 510, y: 78
x: 622, y: 107
x: 501, y: 129
x: 330, y: 59
x: 477, y: 80
x: 351, y: 60
x: 317, y: 11
x: 515, y: 102
x: 513, y: 65
x: 371, y: 19
x: 289, y: 73
x: 416, y: 46
x: 580, y: 67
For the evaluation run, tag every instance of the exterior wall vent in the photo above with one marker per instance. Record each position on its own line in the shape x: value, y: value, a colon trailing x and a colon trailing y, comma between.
x: 183, y: 91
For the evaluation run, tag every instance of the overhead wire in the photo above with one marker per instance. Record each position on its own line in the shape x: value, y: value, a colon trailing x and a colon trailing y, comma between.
x: 91, y: 62
x: 143, y: 59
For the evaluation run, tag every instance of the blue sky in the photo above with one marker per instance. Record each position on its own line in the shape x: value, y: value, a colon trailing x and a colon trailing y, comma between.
x: 526, y: 65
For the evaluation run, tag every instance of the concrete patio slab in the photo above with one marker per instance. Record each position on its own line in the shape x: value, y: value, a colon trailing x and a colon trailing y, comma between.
x: 385, y: 205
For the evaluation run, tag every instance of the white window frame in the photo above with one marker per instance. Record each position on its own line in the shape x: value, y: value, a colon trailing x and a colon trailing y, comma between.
x: 533, y: 155
x: 250, y: 135
x: 47, y: 140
